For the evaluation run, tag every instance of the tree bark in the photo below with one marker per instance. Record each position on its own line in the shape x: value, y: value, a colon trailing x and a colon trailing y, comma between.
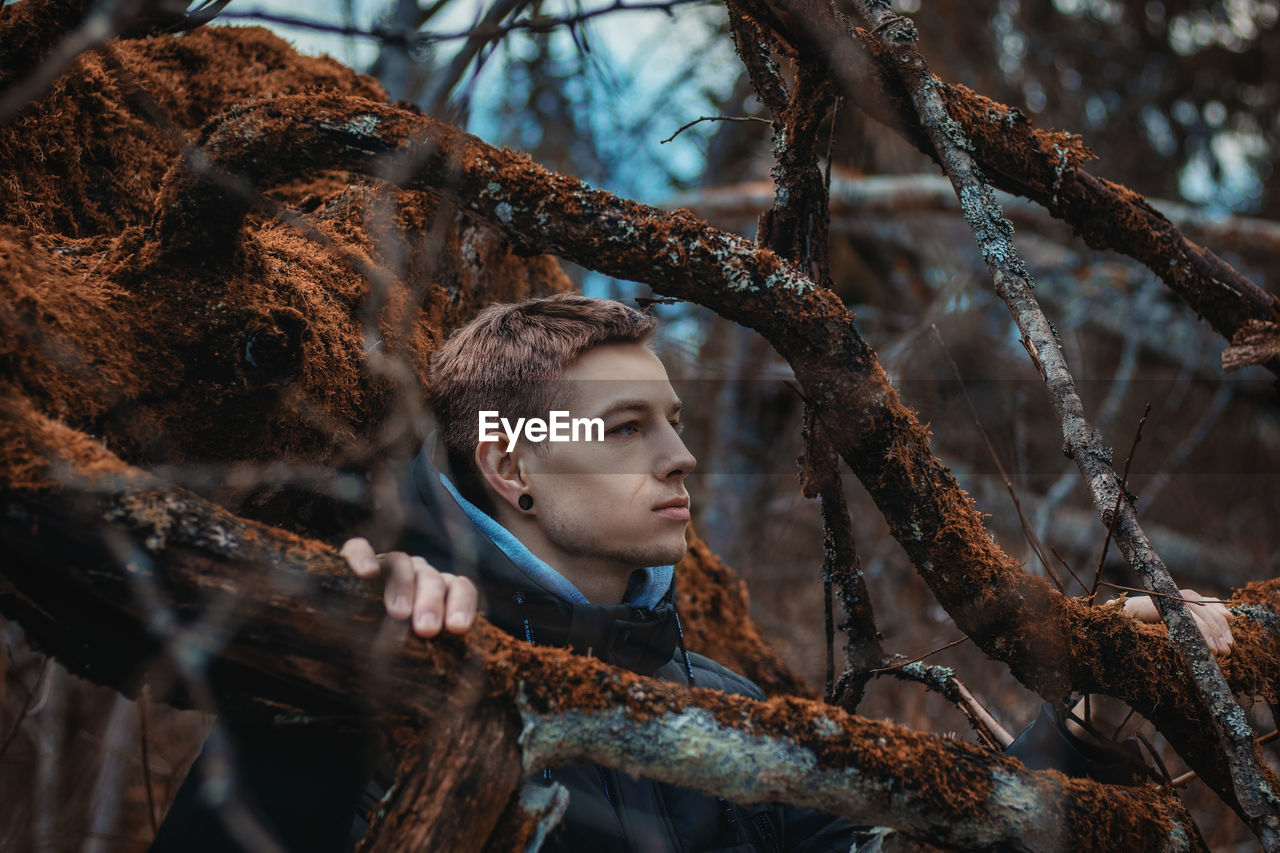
x: 299, y: 635
x: 1043, y: 166
x: 1053, y: 644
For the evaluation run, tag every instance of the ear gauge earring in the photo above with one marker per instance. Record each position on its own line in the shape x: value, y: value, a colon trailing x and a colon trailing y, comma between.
x: 525, y: 502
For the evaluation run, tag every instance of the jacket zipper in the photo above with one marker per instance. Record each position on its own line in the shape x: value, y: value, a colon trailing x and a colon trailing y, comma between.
x: 528, y: 635
x: 765, y: 828
x: 608, y: 793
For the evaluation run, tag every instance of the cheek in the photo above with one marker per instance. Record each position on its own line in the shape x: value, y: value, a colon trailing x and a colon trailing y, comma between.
x: 603, y: 501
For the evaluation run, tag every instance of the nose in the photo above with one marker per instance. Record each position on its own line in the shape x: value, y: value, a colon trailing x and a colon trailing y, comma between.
x: 676, y: 460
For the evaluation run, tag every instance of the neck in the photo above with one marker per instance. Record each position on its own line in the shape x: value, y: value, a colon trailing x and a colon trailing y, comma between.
x: 601, y: 581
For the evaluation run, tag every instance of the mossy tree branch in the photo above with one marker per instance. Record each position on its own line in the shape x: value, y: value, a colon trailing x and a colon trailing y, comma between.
x: 298, y: 634
x: 1053, y: 644
x: 1046, y: 167
x: 1253, y: 786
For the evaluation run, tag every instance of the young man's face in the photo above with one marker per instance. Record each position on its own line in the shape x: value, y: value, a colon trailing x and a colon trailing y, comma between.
x: 620, y: 502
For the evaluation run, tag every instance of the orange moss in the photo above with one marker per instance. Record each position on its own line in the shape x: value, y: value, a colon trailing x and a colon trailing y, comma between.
x: 265, y: 355
x: 714, y: 606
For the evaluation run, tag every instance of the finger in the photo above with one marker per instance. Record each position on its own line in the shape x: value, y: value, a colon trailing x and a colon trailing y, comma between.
x: 361, y: 558
x: 1223, y: 616
x: 428, y: 599
x: 1207, y: 629
x: 1222, y: 622
x: 400, y: 584
x: 1202, y: 625
x: 1210, y: 618
x: 460, y: 602
x: 1221, y: 635
x: 1142, y: 608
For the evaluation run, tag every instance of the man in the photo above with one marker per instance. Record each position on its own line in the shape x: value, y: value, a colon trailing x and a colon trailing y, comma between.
x: 568, y: 543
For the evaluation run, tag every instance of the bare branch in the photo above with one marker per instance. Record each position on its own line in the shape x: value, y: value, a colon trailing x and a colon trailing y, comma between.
x: 1251, y: 789
x: 682, y: 128
x: 1042, y: 166
x: 490, y: 31
x: 841, y: 568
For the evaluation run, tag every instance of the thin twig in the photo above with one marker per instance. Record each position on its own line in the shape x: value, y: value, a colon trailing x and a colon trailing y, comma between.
x: 418, y: 40
x: 1162, y: 594
x: 918, y: 658
x: 1120, y: 727
x: 1115, y: 512
x: 831, y: 140
x: 1086, y: 725
x: 26, y: 704
x: 1001, y: 735
x: 143, y: 698
x: 1084, y: 587
x: 1164, y: 771
x: 1191, y: 774
x: 688, y: 125
x: 1027, y: 532
x: 841, y: 567
x: 942, y: 680
x: 829, y: 693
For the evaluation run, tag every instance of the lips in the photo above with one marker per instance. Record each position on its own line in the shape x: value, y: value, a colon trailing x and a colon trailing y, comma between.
x: 676, y: 509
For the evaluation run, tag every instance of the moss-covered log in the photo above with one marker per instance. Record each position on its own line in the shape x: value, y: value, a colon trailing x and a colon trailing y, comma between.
x: 280, y: 624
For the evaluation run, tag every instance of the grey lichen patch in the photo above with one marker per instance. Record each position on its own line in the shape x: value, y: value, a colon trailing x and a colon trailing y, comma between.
x: 1237, y: 724
x: 1008, y: 117
x: 992, y: 231
x: 1026, y: 808
x: 742, y: 274
x: 827, y: 727
x: 737, y: 276
x: 1061, y: 168
x: 899, y: 29
x: 363, y: 125
x: 950, y: 129
x: 690, y: 744
x: 937, y: 676
x: 503, y: 212
x: 1264, y: 616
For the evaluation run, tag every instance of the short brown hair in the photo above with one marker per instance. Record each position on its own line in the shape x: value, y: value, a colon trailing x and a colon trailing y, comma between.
x: 508, y: 358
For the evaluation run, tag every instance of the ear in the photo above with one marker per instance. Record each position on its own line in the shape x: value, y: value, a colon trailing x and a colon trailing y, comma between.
x: 503, y: 471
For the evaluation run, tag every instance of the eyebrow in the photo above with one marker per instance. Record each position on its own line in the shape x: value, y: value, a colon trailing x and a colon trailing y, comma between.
x: 636, y: 405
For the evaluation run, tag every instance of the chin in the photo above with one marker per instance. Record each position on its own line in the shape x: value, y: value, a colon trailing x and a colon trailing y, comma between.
x: 672, y: 553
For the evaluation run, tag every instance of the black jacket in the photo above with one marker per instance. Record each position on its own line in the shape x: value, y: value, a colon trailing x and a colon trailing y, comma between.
x: 310, y: 787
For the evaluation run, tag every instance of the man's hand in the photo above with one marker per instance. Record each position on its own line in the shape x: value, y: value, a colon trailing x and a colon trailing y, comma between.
x: 414, y: 588
x: 1212, y: 617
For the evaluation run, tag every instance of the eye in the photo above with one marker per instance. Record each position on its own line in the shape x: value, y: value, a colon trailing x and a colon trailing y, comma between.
x: 677, y: 425
x: 629, y: 428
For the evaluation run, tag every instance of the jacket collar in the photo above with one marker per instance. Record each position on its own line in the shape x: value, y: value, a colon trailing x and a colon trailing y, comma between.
x: 529, y: 599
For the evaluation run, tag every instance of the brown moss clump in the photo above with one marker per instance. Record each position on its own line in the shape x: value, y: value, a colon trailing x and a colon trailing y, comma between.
x: 301, y: 345
x: 715, y: 608
x: 304, y: 342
